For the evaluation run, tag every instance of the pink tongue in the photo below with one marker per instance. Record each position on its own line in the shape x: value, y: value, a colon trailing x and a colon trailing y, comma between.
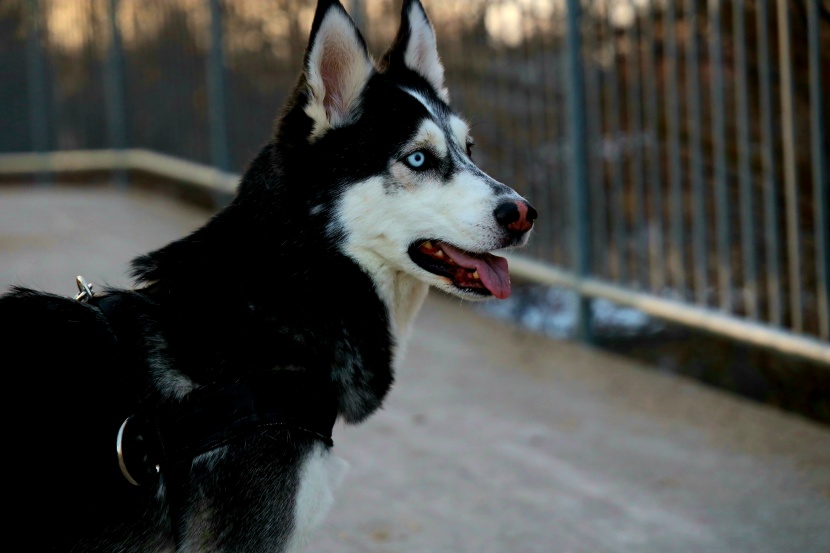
x: 491, y: 269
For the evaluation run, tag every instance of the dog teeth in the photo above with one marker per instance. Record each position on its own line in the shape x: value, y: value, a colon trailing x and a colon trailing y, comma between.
x: 439, y: 253
x: 428, y: 245
x: 475, y: 275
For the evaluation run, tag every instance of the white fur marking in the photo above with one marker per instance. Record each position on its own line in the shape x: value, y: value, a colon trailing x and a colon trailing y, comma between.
x: 418, y: 96
x: 431, y: 136
x: 379, y: 225
x: 460, y: 130
x: 321, y: 474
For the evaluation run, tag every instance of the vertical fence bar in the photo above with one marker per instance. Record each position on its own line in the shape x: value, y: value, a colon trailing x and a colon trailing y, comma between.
x: 596, y: 173
x: 791, y: 186
x: 719, y: 147
x: 566, y: 233
x: 634, y: 142
x: 675, y: 176
x: 559, y: 186
x: 532, y: 161
x: 695, y: 158
x: 551, y: 140
x: 650, y: 70
x: 503, y: 90
x: 771, y: 239
x: 750, y: 268
x: 614, y: 152
x: 541, y: 169
x: 38, y: 101
x: 819, y: 148
x: 114, y: 81
x: 217, y: 114
x: 579, y: 169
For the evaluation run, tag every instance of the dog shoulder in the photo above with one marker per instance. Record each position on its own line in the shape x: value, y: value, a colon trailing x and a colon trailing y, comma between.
x: 44, y: 322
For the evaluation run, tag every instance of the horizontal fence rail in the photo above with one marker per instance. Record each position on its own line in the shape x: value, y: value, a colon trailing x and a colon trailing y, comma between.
x: 222, y: 185
x: 677, y: 151
x: 85, y: 161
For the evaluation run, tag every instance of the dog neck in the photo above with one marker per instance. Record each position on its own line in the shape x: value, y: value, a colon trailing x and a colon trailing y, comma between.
x: 402, y: 294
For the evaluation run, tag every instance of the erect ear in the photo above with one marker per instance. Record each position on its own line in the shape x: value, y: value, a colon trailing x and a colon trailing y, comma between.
x: 416, y: 48
x: 337, y: 68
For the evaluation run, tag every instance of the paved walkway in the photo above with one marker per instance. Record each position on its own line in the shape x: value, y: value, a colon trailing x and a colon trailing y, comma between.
x: 495, y: 440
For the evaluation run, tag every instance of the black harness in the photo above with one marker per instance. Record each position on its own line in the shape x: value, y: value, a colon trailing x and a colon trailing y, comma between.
x: 167, y: 438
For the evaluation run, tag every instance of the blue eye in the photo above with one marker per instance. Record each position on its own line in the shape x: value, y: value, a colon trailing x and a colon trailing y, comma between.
x: 416, y: 160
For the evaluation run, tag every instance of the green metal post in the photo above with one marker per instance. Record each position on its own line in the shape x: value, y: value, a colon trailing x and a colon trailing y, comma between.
x: 580, y: 212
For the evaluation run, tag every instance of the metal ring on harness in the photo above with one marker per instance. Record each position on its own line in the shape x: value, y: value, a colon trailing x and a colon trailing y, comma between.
x: 118, y: 448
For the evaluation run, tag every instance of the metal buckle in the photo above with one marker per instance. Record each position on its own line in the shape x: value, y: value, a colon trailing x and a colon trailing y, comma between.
x: 84, y: 290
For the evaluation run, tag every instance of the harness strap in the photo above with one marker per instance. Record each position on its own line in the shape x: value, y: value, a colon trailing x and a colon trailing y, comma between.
x: 155, y: 439
x: 165, y: 439
x: 210, y: 417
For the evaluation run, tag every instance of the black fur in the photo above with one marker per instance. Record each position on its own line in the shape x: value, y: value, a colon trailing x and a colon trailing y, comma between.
x: 261, y: 287
x: 252, y: 291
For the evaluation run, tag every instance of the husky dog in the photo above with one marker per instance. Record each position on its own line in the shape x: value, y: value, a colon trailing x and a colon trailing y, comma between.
x: 194, y: 412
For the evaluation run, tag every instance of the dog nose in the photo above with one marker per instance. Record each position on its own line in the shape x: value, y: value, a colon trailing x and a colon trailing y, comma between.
x: 515, y: 215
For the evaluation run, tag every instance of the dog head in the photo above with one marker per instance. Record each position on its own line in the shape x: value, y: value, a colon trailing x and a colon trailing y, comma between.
x: 402, y: 195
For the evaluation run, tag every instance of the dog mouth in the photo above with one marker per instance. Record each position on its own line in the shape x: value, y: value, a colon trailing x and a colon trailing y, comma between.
x: 479, y: 273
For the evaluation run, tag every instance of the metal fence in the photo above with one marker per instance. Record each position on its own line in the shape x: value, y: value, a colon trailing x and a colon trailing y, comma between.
x: 678, y: 151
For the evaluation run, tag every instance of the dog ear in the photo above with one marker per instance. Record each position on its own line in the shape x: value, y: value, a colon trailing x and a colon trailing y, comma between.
x: 415, y: 47
x: 337, y: 67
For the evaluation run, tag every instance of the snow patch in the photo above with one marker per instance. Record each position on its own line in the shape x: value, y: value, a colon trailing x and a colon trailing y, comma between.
x: 553, y: 312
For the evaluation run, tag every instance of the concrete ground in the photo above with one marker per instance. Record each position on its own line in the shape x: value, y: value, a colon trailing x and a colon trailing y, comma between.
x: 493, y: 439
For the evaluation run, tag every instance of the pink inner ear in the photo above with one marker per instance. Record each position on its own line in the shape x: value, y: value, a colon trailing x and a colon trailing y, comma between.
x: 334, y: 67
